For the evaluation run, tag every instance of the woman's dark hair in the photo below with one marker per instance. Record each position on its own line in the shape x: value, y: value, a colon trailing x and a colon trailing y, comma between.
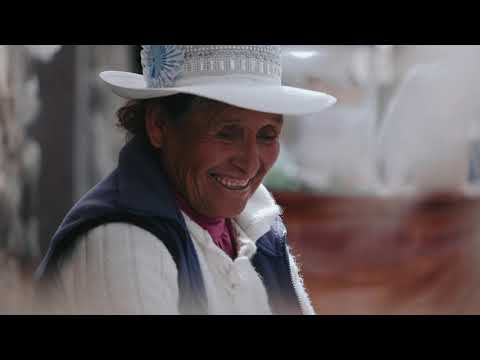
x: 131, y: 116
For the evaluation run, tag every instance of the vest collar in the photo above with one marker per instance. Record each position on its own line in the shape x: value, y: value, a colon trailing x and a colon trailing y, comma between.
x: 143, y: 185
x: 259, y: 215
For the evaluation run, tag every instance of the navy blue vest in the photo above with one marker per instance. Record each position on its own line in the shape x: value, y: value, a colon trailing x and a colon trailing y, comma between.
x: 138, y: 192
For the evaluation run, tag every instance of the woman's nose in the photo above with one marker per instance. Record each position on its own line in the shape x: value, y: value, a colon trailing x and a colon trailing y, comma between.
x: 247, y: 158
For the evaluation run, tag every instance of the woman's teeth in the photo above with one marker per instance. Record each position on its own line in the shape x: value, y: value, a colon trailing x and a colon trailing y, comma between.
x: 232, y: 184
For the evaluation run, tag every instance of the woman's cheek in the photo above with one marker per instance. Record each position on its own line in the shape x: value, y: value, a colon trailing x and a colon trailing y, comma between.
x: 271, y: 155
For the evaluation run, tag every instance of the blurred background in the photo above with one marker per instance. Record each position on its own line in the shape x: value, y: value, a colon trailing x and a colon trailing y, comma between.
x: 379, y: 192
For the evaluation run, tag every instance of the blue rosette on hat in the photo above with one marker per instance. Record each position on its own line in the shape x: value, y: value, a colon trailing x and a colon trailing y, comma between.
x: 162, y: 64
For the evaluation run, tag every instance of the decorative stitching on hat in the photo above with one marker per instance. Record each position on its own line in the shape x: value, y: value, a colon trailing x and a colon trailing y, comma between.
x: 263, y: 60
x: 163, y: 65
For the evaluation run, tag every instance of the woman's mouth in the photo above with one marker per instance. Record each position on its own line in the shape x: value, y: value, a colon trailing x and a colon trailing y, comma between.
x: 231, y: 183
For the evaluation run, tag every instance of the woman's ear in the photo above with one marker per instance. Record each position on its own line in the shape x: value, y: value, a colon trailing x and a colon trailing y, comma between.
x: 155, y: 126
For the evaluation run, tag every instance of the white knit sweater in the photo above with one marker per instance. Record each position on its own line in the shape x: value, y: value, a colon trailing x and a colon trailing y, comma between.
x: 119, y: 268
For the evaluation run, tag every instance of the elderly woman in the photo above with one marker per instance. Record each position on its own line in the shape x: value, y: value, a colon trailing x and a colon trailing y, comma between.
x: 184, y: 225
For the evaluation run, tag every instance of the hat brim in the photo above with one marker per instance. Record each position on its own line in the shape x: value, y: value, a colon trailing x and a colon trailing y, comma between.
x: 256, y: 96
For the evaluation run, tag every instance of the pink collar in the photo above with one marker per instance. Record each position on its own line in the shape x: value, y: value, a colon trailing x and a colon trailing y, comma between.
x: 220, y: 229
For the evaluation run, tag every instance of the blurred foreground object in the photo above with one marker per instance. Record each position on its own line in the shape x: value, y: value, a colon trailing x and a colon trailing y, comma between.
x: 20, y: 161
x: 20, y: 156
x: 406, y: 240
x: 395, y: 255
x: 425, y: 143
x: 333, y: 151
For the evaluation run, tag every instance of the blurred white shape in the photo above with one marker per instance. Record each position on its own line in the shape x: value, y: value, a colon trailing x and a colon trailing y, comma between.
x: 30, y: 101
x: 43, y: 52
x: 384, y: 61
x: 335, y: 151
x: 328, y: 62
x: 424, y: 141
x: 361, y: 65
x: 302, y: 54
x: 3, y: 70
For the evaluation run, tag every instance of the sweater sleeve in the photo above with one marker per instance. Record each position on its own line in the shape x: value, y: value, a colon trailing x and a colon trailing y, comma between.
x: 118, y: 269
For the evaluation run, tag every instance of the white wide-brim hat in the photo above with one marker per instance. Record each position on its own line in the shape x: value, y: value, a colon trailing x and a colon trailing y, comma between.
x: 246, y: 76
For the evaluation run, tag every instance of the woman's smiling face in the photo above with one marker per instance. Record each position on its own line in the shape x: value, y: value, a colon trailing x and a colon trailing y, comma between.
x: 220, y: 155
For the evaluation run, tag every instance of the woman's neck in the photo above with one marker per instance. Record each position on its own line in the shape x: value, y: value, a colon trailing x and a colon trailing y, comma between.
x: 195, y: 215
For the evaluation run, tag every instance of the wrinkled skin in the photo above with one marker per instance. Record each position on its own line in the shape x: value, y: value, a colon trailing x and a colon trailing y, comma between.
x: 219, y: 155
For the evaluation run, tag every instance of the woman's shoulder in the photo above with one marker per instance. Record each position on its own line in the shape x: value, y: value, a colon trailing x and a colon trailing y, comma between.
x: 123, y: 243
x: 116, y: 229
x: 118, y: 268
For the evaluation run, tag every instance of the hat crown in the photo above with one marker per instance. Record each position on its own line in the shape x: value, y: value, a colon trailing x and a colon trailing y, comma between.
x: 180, y: 65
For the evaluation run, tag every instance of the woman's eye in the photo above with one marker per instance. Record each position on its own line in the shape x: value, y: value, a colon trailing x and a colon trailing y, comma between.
x: 225, y: 135
x: 231, y: 133
x: 228, y: 133
x: 268, y: 136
